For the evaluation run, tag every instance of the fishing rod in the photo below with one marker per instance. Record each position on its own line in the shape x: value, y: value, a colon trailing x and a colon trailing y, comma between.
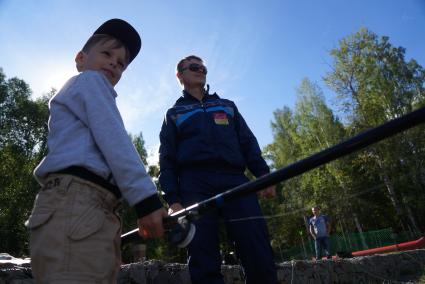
x: 178, y: 225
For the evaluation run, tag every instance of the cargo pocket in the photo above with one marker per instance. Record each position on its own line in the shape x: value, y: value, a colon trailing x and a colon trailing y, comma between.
x: 87, y: 215
x: 43, y: 210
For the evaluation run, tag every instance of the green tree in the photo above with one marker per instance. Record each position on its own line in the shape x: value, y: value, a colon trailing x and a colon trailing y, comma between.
x: 128, y: 215
x: 139, y: 144
x: 23, y: 133
x: 311, y: 128
x: 375, y: 84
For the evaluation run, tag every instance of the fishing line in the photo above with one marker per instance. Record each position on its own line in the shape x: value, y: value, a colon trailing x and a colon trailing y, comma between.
x: 301, y: 210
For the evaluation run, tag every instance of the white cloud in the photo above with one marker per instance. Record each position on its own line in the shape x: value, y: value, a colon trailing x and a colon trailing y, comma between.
x: 143, y: 103
x: 140, y: 102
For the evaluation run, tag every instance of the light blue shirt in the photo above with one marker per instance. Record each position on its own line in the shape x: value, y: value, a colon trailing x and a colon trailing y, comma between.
x: 86, y: 129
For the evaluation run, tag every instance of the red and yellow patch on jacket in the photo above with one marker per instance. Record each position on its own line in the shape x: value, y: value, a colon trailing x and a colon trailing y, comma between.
x: 221, y: 118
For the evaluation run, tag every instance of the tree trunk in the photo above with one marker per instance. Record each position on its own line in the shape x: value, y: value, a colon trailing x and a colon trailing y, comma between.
x: 416, y: 230
x: 359, y: 228
x: 390, y: 188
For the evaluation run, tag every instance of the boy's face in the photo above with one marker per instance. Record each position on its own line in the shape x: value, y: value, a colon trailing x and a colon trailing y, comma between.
x: 104, y: 58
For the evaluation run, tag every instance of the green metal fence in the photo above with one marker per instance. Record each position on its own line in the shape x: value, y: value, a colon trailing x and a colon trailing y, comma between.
x: 348, y: 242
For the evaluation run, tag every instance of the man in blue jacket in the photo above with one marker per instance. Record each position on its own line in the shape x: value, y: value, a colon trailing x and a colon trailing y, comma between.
x: 206, y: 146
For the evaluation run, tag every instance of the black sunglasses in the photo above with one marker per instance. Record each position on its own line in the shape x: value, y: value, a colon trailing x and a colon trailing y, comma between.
x: 196, y: 68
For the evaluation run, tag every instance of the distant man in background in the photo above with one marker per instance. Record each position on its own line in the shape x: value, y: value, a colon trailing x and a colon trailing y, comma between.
x: 320, y: 228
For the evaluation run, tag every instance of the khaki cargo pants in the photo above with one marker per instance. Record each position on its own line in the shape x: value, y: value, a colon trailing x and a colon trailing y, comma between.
x: 75, y: 233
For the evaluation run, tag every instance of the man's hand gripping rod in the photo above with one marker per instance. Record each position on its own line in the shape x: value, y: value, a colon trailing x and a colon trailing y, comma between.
x: 179, y: 227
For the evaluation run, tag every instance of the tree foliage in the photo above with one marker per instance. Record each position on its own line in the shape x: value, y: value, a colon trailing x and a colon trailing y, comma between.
x: 23, y: 133
x: 374, y: 84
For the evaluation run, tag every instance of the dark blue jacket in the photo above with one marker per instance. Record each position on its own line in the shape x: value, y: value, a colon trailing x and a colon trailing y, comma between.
x: 210, y: 135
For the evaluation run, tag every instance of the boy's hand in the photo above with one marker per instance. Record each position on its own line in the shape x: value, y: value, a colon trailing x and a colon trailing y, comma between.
x: 150, y: 226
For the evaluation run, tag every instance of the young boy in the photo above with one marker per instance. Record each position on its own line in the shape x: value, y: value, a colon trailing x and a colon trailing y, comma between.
x: 91, y: 163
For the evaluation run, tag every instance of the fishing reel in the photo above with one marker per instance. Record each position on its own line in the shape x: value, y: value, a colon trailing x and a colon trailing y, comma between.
x: 180, y: 231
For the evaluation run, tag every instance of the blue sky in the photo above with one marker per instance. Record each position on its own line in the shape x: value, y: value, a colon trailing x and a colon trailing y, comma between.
x: 257, y: 52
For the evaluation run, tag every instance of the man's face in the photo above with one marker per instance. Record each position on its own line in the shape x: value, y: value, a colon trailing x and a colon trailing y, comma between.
x: 104, y: 58
x: 193, y: 73
x: 315, y: 211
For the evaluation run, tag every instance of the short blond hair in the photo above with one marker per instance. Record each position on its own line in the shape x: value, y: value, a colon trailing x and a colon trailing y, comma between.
x: 187, y: 58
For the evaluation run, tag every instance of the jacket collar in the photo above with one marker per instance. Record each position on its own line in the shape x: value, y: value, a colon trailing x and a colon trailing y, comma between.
x: 186, y: 96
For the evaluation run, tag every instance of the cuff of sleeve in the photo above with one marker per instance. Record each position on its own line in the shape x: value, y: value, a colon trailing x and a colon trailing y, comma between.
x: 147, y: 206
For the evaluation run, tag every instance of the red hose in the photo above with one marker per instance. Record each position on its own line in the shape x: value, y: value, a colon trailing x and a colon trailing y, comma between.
x: 419, y: 243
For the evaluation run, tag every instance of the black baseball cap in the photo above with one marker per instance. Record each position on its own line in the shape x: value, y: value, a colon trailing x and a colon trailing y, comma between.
x: 124, y: 32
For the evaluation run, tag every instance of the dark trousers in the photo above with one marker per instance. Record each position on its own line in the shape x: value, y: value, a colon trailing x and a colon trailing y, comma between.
x: 320, y: 244
x: 249, y: 235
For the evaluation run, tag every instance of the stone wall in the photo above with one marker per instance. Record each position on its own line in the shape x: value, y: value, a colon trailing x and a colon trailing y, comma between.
x: 404, y: 267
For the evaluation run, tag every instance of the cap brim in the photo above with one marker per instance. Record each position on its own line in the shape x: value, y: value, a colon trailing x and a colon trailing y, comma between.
x: 124, y: 32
